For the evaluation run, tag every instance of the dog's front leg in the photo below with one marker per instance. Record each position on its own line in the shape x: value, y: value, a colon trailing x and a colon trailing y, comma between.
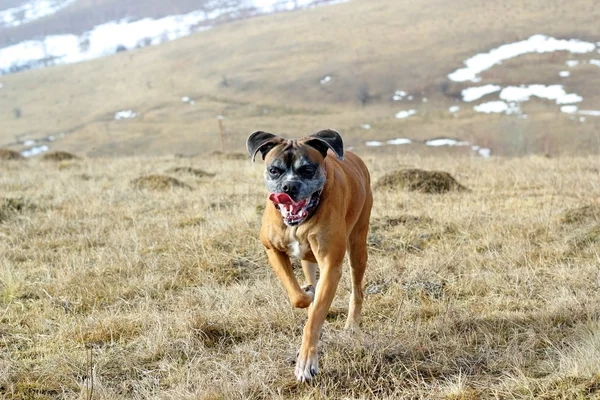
x: 307, y: 365
x: 283, y: 268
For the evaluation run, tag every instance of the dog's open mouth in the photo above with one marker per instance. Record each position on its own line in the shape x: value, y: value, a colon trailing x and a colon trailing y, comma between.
x: 294, y: 212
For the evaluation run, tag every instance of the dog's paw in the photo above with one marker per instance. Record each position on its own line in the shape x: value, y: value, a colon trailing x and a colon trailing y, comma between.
x: 309, y: 290
x: 307, y: 365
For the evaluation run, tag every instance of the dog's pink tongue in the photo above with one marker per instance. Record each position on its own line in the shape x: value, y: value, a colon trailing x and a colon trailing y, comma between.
x: 281, y: 198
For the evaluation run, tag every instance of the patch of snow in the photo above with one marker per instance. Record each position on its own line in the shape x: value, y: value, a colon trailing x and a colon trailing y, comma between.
x: 192, y: 102
x: 34, y: 151
x: 568, y: 109
x: 185, y: 99
x: 498, y: 107
x: 1, y: 85
x: 399, y: 95
x: 365, y: 126
x: 325, y: 80
x: 445, y: 142
x: 410, y: 97
x: 484, y: 152
x: 28, y: 142
x: 454, y: 109
x: 125, y: 114
x: 594, y: 113
x: 30, y: 11
x: 535, y: 44
x: 595, y: 62
x: 564, y: 74
x: 551, y: 92
x: 581, y: 119
x: 399, y: 141
x: 373, y: 143
x: 572, y: 63
x: 405, y: 114
x: 475, y: 93
x: 424, y: 99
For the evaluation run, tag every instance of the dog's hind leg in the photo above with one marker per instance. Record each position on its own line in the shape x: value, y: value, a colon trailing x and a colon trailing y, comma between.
x: 357, y: 255
x: 310, y: 272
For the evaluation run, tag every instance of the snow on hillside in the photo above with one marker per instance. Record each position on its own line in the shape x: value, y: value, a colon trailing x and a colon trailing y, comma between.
x: 116, y: 36
x: 511, y: 97
x: 30, y: 11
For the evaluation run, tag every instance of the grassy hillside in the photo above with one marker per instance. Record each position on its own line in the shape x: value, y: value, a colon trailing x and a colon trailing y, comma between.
x: 149, y: 293
x: 264, y: 73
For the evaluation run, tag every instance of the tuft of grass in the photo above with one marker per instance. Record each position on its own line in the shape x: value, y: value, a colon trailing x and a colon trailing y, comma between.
x: 8, y: 154
x: 58, y: 156
x: 158, y: 182
x: 199, y: 173
x: 419, y: 180
x: 581, y: 215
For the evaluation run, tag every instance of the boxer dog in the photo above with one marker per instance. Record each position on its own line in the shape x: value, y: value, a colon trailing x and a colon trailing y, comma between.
x: 318, y: 209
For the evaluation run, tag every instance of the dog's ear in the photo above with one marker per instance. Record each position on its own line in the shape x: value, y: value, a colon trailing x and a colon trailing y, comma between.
x: 261, y: 141
x: 327, y: 139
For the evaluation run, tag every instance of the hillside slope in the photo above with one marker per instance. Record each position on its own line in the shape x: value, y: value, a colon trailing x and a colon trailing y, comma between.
x: 265, y: 73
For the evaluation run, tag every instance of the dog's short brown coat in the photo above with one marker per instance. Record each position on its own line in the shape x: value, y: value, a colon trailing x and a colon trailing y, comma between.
x: 339, y: 225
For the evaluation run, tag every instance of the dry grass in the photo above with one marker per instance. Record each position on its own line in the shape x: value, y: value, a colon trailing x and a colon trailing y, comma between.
x: 414, y: 179
x: 8, y: 154
x: 59, y: 156
x: 158, y: 182
x: 483, y: 294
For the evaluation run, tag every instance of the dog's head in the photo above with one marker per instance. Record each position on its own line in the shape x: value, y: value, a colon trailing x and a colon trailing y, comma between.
x: 295, y: 169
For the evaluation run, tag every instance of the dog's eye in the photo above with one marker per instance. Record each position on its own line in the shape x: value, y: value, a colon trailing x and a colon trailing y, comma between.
x: 275, y: 171
x: 306, y: 170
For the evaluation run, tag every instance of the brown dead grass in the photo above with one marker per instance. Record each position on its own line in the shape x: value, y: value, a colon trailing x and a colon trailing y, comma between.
x: 198, y: 173
x: 8, y: 154
x: 581, y: 215
x: 59, y: 156
x: 158, y: 182
x: 419, y: 180
x: 485, y: 295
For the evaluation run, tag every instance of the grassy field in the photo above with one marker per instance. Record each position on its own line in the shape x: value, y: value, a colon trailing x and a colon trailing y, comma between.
x: 108, y: 281
x: 264, y: 73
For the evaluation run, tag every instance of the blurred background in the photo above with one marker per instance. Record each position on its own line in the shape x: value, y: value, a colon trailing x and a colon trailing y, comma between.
x: 132, y: 77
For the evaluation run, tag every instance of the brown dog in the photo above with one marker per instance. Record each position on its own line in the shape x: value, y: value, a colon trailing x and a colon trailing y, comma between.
x: 319, y: 208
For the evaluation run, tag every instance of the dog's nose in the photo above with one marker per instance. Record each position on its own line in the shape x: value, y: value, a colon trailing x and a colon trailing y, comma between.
x: 291, y: 188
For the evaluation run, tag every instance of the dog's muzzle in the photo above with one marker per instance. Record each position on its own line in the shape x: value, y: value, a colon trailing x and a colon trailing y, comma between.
x: 295, y: 212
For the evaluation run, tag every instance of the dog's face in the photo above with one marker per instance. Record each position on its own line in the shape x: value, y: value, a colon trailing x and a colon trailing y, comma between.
x: 295, y: 169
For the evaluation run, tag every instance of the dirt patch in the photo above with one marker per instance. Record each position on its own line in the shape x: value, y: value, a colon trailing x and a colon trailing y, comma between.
x: 59, y: 156
x: 419, y: 180
x: 7, y: 154
x: 581, y: 215
x: 191, y: 171
x: 158, y: 182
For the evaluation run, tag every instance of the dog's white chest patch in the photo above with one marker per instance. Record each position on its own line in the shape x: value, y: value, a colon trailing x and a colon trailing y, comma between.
x: 294, y: 247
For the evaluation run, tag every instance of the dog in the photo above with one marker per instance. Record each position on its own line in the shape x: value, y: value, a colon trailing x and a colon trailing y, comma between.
x: 318, y: 208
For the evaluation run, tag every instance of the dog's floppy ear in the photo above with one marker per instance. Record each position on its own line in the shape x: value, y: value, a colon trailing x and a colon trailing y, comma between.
x: 327, y: 139
x: 261, y: 141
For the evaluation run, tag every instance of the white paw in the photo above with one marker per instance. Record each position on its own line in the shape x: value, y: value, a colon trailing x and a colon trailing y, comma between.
x: 310, y: 291
x: 307, y: 366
